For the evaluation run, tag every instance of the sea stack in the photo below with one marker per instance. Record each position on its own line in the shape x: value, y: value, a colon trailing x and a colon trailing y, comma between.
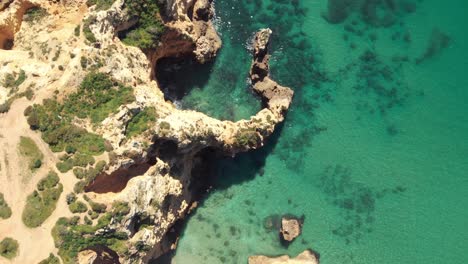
x: 290, y: 228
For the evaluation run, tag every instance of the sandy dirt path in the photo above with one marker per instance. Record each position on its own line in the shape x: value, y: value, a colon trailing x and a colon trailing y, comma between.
x: 37, y: 243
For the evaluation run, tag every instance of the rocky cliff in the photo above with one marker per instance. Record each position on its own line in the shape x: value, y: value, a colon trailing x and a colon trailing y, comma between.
x: 158, y: 172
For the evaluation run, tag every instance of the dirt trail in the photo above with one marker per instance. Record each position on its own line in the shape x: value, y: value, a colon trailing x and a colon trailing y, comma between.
x: 37, y: 243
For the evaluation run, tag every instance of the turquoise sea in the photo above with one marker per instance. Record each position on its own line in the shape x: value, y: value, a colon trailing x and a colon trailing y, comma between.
x: 374, y: 150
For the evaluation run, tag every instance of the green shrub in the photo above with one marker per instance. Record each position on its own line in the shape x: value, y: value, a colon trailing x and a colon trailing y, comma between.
x: 71, y: 197
x: 36, y: 164
x: 141, y: 122
x: 65, y: 166
x: 52, y: 259
x: 79, y: 187
x: 83, y: 62
x: 5, y: 107
x: 5, y: 210
x: 91, y: 2
x: 29, y: 94
x: 11, y: 82
x: 28, y: 149
x: 97, y: 97
x: 247, y: 137
x: 119, y: 210
x: 97, y: 207
x: 79, y: 173
x: 78, y: 207
x: 71, y: 237
x: 70, y: 149
x: 27, y: 111
x: 100, y: 4
x: 57, y: 54
x: 77, y: 31
x: 50, y: 181
x: 9, y: 248
x: 149, y: 27
x: 164, y: 125
x: 34, y: 14
x: 92, y: 214
x: 87, y: 221
x: 89, y: 174
x: 105, y: 97
x: 21, y: 78
x: 89, y: 35
x: 33, y: 120
x: 100, y: 166
x: 42, y: 202
x: 83, y: 160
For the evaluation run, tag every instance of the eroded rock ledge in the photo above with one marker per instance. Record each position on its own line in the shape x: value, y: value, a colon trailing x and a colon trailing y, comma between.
x: 173, y: 150
x: 276, y: 97
x: 306, y: 257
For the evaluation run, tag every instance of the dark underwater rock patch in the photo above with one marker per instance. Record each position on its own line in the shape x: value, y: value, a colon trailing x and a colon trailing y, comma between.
x: 356, y: 203
x: 438, y: 41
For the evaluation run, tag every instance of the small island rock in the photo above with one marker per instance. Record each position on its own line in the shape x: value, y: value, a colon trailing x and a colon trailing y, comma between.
x: 306, y: 257
x: 290, y: 228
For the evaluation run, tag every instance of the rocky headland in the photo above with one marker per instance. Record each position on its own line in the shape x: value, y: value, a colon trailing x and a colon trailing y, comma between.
x: 153, y: 159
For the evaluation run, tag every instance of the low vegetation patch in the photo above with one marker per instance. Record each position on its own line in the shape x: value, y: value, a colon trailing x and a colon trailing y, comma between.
x: 77, y: 207
x: 141, y: 122
x: 87, y: 175
x: 5, y: 107
x: 70, y: 237
x: 100, y: 4
x: 34, y: 14
x: 9, y: 248
x: 77, y: 160
x: 28, y: 149
x: 97, y: 97
x: 89, y: 35
x: 52, y: 259
x: 77, y: 31
x: 42, y: 202
x: 5, y: 210
x: 96, y: 207
x: 247, y: 137
x: 146, y: 33
x: 11, y: 81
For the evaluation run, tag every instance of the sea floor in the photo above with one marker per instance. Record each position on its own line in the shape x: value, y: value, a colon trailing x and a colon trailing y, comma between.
x: 374, y: 150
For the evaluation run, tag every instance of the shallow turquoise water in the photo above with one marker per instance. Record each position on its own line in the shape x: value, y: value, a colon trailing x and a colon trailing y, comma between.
x: 374, y: 151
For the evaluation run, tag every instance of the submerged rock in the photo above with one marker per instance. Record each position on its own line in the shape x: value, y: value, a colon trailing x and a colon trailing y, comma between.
x: 306, y: 257
x: 437, y: 42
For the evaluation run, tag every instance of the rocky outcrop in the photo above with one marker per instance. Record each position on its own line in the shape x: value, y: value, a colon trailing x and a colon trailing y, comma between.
x: 306, y: 257
x: 171, y: 154
x: 276, y: 97
x: 10, y: 20
x: 189, y: 32
x: 87, y: 257
x: 290, y: 228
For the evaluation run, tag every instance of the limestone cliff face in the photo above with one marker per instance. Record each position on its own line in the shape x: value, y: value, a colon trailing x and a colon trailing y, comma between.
x: 190, y: 31
x: 170, y: 155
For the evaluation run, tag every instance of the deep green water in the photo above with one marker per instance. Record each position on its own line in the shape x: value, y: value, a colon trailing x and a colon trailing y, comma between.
x: 374, y: 151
